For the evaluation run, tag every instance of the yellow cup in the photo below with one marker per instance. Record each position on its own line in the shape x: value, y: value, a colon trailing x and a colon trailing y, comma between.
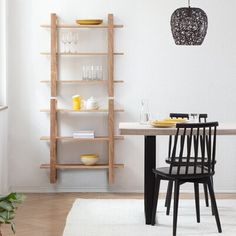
x: 76, y: 102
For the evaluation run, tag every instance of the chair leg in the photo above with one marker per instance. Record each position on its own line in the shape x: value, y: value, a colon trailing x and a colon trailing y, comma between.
x: 169, y: 196
x: 214, y: 206
x: 155, y: 199
x: 176, y: 204
x: 206, y: 194
x: 196, y: 192
x: 167, y: 193
x: 212, y: 209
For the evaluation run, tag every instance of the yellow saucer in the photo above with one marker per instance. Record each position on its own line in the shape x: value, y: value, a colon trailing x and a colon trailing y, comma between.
x: 89, y: 22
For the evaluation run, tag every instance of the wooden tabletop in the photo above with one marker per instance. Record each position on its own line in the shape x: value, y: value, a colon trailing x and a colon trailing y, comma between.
x: 132, y: 128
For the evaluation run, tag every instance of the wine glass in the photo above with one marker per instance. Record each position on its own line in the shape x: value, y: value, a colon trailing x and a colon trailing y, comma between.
x: 69, y: 40
x: 85, y: 73
x: 64, y: 41
x: 76, y: 40
x: 89, y: 71
x: 194, y: 117
x: 100, y: 73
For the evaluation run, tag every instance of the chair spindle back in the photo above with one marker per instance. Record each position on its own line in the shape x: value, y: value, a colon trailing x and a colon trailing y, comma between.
x: 194, y: 149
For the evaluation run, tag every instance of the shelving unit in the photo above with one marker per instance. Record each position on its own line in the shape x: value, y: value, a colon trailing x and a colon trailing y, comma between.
x: 80, y: 166
x: 54, y: 138
x: 82, y: 54
x: 71, y: 139
x: 82, y: 26
x: 81, y: 82
x: 82, y: 111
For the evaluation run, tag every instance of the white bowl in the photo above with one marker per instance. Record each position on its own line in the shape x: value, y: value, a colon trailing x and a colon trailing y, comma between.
x: 89, y: 160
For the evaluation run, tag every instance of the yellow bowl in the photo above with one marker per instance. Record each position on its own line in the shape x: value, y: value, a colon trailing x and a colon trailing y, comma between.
x: 89, y: 22
x: 89, y: 159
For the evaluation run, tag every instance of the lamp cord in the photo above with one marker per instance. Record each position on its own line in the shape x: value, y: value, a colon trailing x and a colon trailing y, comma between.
x: 189, y: 9
x: 189, y: 3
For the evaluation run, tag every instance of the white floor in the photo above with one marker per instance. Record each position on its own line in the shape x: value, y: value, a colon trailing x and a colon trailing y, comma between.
x: 95, y: 217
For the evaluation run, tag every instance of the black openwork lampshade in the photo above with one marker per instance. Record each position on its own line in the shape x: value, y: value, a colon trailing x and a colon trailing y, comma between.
x: 189, y: 26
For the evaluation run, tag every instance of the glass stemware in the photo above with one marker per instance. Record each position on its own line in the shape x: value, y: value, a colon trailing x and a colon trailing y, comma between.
x: 99, y: 72
x: 194, y: 117
x: 92, y: 72
x: 69, y: 41
x: 76, y: 40
x: 85, y: 73
x: 64, y: 42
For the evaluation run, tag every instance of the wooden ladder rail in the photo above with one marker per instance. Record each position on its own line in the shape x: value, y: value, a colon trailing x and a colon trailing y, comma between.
x: 53, y: 100
x: 110, y: 68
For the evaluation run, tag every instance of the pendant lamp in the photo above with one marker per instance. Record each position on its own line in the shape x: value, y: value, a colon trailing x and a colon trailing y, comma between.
x: 189, y: 25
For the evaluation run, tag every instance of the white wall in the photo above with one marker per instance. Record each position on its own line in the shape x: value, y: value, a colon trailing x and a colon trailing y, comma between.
x: 3, y: 47
x: 3, y: 153
x: 173, y: 78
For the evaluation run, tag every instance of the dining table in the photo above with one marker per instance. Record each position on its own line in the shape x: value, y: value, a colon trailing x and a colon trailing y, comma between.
x: 149, y: 133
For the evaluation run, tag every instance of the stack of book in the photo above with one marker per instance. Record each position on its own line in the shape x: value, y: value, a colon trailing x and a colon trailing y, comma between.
x: 84, y: 134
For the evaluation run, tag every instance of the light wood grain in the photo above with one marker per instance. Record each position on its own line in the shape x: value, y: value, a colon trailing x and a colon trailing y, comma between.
x: 83, y: 53
x: 82, y: 111
x: 80, y: 166
x: 111, y: 145
x: 53, y: 53
x: 134, y: 128
x: 53, y: 102
x: 71, y: 139
x: 110, y: 61
x: 82, y: 26
x: 53, y: 141
x: 82, y: 82
x: 111, y: 116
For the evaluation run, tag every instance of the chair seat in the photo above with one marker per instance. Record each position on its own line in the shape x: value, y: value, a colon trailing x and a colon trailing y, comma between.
x: 165, y: 172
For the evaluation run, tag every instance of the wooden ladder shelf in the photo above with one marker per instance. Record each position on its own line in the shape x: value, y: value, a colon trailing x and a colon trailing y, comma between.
x: 54, y: 53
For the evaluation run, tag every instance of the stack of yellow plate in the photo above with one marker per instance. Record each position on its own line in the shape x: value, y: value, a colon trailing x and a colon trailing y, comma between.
x: 89, y: 22
x: 167, y: 123
x: 162, y: 123
x: 176, y: 120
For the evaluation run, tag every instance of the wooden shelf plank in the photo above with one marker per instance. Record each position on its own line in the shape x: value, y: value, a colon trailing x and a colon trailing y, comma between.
x: 81, y: 26
x: 80, y: 166
x: 82, y: 111
x: 71, y: 139
x: 82, y: 53
x: 81, y: 81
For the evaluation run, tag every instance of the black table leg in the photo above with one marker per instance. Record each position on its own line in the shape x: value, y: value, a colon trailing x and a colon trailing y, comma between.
x: 149, y: 178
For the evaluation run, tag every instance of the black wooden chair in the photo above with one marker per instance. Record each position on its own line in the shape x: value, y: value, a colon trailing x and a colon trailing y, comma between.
x: 192, y: 159
x: 202, y: 118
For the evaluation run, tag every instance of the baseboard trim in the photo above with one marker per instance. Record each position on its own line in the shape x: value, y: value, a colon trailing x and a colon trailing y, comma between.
x: 56, y: 189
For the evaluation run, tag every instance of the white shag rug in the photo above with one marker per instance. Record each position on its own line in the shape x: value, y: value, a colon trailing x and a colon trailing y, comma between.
x: 122, y: 217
